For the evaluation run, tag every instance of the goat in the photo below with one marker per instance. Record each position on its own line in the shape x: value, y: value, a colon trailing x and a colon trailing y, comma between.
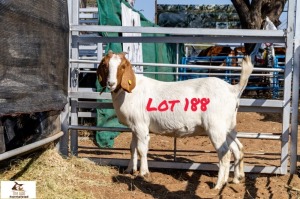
x: 214, y: 52
x: 131, y: 96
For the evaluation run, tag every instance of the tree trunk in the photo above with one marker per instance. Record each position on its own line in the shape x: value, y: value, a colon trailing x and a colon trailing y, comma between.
x: 252, y: 15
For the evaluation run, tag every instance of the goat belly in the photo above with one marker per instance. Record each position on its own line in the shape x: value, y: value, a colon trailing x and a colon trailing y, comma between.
x: 175, y: 129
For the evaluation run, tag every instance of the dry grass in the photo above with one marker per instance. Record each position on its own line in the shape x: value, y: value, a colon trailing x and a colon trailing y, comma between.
x: 57, y: 177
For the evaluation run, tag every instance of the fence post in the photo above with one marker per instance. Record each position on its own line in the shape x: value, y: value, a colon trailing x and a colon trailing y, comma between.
x: 295, y: 97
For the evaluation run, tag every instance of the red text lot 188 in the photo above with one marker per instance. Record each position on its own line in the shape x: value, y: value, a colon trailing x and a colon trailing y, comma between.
x: 193, y: 104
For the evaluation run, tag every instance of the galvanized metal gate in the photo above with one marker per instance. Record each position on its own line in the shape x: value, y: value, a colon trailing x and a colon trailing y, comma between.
x: 288, y: 106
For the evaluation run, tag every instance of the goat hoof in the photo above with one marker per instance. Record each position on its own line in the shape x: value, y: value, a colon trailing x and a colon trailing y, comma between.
x: 130, y: 171
x: 135, y: 173
x: 236, y: 180
x: 219, y: 186
x: 146, y: 177
x: 127, y: 171
x: 241, y: 176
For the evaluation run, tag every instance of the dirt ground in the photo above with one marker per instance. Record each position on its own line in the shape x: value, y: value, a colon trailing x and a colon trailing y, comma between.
x: 172, y: 183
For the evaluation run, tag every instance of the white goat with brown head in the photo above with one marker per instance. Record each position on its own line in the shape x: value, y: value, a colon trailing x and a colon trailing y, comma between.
x: 204, y: 106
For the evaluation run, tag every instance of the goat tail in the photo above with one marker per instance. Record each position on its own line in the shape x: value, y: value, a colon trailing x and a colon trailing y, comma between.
x: 247, y: 69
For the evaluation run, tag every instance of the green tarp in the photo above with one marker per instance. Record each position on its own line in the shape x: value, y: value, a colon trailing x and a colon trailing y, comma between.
x: 110, y: 14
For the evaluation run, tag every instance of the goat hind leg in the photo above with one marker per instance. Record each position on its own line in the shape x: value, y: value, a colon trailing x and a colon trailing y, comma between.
x: 236, y: 153
x: 224, y: 156
x: 237, y: 149
x: 241, y: 161
x: 218, y: 139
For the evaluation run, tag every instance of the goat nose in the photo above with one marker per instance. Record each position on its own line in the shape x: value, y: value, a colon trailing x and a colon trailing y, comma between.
x: 111, y: 83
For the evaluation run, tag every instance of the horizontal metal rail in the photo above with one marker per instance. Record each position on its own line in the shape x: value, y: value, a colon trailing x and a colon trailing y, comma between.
x: 262, y: 103
x: 97, y: 128
x: 29, y: 147
x: 169, y: 150
x: 90, y: 21
x: 238, y: 68
x: 109, y: 105
x: 87, y: 115
x: 88, y: 16
x: 243, y: 101
x: 175, y: 39
x: 269, y: 136
x: 191, y: 73
x: 89, y: 9
x: 182, y: 31
x: 89, y: 90
x: 93, y: 114
x: 187, y: 165
x: 240, y: 134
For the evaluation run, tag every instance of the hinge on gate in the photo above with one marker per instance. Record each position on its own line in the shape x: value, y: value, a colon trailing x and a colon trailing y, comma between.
x: 74, y: 78
x: 285, y: 35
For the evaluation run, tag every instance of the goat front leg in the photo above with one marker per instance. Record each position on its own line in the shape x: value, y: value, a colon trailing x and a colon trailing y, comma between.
x: 143, y: 137
x: 132, y: 166
x: 142, y: 147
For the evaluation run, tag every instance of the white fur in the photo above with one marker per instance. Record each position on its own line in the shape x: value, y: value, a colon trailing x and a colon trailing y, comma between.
x: 112, y: 79
x: 218, y: 121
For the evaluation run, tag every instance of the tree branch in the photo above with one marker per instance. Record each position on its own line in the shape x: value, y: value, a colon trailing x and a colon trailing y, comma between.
x: 243, y: 9
x: 273, y: 10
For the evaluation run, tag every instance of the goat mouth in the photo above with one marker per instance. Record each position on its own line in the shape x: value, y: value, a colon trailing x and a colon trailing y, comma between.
x: 112, y: 88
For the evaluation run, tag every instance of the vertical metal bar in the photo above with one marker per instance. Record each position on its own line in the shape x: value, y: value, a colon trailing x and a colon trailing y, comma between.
x: 287, y: 87
x: 2, y: 139
x: 228, y: 63
x: 156, y: 14
x: 99, y: 51
x: 74, y: 78
x: 177, y: 60
x: 75, y: 46
x: 63, y: 144
x: 186, y: 51
x: 175, y: 148
x: 295, y: 97
x: 275, y: 84
x: 177, y: 77
x: 74, y: 133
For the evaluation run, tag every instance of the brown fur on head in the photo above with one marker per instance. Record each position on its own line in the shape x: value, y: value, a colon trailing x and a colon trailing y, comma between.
x: 102, y: 70
x: 125, y: 75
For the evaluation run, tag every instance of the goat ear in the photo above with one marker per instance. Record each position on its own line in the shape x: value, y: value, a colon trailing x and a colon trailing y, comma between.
x: 128, y: 79
x: 102, y: 70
